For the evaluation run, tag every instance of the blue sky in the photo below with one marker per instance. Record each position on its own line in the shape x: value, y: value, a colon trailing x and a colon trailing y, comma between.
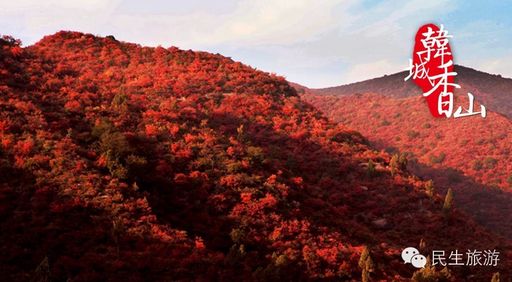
x: 317, y: 43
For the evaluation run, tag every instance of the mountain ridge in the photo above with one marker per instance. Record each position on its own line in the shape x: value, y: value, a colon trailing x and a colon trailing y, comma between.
x: 492, y: 90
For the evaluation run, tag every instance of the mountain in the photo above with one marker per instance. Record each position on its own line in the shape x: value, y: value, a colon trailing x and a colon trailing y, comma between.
x: 494, y: 91
x: 470, y: 155
x: 127, y: 163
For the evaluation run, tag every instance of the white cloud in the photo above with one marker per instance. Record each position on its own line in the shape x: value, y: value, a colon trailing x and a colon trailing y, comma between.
x: 364, y: 71
x: 283, y: 22
x: 31, y: 6
x: 502, y: 65
x: 249, y: 23
x: 32, y: 19
x: 316, y: 43
x: 374, y: 41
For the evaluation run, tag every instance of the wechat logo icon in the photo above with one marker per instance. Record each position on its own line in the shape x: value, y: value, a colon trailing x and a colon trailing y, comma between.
x: 412, y: 255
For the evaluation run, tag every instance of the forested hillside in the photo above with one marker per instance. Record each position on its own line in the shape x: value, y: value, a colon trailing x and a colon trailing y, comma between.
x: 127, y: 163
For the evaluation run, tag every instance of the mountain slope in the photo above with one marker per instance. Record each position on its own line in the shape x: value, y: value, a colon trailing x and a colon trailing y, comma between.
x: 127, y: 163
x: 469, y: 154
x: 493, y: 91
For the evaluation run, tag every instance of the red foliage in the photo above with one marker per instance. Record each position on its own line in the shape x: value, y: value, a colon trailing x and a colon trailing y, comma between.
x: 471, y: 155
x: 181, y: 165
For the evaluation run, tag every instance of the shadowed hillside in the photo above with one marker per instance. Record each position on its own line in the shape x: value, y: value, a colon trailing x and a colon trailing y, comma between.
x: 444, y: 149
x: 472, y: 155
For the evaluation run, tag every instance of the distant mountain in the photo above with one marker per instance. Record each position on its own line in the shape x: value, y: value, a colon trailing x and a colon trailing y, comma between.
x: 127, y: 163
x: 493, y: 91
x: 472, y: 154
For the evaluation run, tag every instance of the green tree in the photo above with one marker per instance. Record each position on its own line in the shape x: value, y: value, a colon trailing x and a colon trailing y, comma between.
x: 430, y: 274
x: 116, y: 232
x: 412, y: 134
x: 255, y: 155
x: 369, y: 265
x: 477, y: 165
x: 366, y: 264
x: 241, y: 133
x: 370, y: 170
x: 393, y: 164
x: 365, y: 276
x: 490, y: 162
x: 402, y: 161
x: 115, y: 148
x: 437, y: 159
x: 423, y: 244
x: 448, y: 201
x: 364, y: 256
x: 42, y: 272
x: 429, y: 188
x: 496, y: 277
